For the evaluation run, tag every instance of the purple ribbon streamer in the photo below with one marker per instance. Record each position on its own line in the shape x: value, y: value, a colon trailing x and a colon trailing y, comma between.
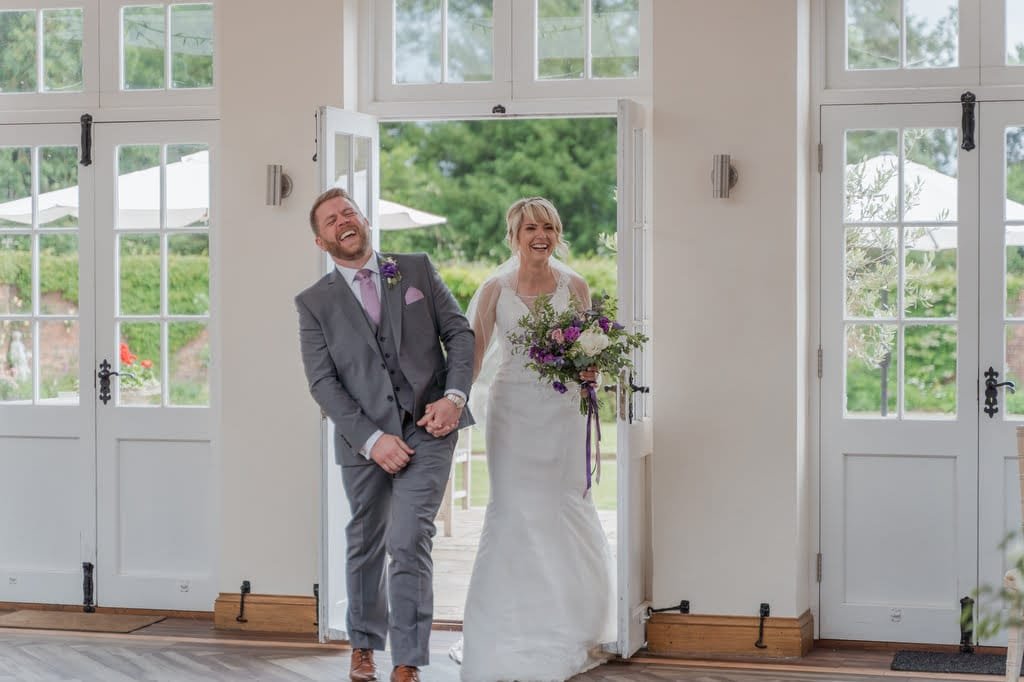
x: 593, y: 417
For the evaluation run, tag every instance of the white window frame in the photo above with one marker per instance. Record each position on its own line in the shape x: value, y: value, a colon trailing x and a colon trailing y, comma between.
x: 994, y: 69
x: 515, y: 88
x: 88, y: 95
x: 111, y: 93
x: 382, y: 19
x: 526, y: 85
x: 101, y: 92
x: 839, y: 78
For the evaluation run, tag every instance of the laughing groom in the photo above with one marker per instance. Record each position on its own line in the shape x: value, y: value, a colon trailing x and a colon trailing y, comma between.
x: 389, y: 358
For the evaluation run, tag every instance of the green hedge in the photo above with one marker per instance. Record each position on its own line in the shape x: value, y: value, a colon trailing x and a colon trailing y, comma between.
x: 188, y: 292
x: 465, y: 278
x: 930, y: 356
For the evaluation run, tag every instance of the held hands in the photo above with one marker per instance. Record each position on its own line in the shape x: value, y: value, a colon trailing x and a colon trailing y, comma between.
x: 440, y: 418
x: 391, y: 453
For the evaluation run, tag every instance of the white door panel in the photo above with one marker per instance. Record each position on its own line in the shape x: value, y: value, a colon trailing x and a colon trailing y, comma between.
x: 635, y: 442
x: 156, y: 502
x: 347, y: 155
x: 1002, y: 331
x: 46, y: 389
x: 899, y: 474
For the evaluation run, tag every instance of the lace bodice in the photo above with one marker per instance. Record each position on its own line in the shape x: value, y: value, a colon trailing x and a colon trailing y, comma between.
x: 499, y: 312
x: 511, y: 308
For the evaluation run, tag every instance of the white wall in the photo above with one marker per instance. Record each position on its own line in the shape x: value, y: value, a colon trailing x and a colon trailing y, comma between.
x: 277, y: 64
x: 732, y: 476
x: 731, y: 486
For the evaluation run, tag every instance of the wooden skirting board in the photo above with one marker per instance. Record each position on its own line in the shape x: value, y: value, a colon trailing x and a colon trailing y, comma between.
x: 21, y: 606
x: 266, y: 613
x: 676, y: 634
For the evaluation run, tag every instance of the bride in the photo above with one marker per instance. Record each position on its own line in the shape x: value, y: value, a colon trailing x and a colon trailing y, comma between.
x: 541, y: 598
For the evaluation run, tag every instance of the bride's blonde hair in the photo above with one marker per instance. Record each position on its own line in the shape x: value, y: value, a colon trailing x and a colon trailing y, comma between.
x: 539, y: 210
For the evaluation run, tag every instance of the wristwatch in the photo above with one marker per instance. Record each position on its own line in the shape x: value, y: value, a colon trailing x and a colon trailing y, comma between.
x: 456, y: 399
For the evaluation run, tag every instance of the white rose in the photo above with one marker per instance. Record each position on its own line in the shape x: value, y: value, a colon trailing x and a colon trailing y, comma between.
x: 593, y: 341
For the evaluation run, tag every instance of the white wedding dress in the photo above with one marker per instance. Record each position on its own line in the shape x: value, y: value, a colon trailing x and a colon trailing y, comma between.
x: 541, y: 598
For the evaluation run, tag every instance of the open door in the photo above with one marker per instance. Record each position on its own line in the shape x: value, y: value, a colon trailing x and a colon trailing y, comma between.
x: 634, y: 400
x: 348, y: 149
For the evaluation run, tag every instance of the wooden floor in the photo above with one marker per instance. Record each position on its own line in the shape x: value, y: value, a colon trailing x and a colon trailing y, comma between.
x: 188, y: 650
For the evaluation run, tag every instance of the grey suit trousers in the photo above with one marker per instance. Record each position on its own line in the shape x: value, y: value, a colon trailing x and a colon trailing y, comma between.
x: 394, y: 515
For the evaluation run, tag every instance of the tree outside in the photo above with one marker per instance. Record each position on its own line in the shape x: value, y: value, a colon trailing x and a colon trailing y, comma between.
x: 470, y: 172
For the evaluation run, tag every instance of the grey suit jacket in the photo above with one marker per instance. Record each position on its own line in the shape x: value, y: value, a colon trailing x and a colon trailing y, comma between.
x: 342, y: 359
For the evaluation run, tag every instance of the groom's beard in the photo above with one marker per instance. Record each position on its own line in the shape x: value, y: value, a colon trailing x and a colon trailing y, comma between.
x: 354, y: 248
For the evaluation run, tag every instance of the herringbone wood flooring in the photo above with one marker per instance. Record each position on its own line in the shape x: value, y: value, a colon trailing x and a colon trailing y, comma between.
x: 148, y: 655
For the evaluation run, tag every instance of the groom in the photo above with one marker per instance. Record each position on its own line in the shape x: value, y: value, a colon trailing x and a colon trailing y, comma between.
x: 389, y: 358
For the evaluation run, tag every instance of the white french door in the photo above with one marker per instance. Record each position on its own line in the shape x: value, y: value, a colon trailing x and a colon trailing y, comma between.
x: 156, y: 470
x: 635, y: 428
x: 47, y: 398
x: 1001, y: 321
x: 112, y: 265
x: 347, y: 157
x: 915, y: 484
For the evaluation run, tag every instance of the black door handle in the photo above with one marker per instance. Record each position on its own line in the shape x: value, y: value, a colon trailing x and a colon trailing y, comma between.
x: 104, y: 376
x: 992, y: 387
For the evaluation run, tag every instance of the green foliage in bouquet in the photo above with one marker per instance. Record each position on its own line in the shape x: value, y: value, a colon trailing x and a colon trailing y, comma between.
x: 561, y: 345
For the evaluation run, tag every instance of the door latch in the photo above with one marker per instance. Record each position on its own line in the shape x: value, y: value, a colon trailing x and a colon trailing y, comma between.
x: 992, y: 391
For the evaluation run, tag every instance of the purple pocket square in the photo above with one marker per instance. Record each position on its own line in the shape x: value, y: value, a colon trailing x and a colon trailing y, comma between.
x: 412, y: 294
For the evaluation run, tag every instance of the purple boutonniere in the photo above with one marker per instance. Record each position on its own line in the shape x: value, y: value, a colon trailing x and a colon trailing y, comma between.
x: 389, y: 271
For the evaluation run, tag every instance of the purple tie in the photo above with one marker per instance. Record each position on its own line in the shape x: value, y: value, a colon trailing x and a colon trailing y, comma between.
x: 368, y: 292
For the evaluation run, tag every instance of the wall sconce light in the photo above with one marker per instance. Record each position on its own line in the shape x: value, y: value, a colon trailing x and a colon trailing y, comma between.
x: 723, y: 176
x: 279, y: 184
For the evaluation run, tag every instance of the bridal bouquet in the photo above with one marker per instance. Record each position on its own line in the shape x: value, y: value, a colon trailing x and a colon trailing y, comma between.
x: 561, y: 345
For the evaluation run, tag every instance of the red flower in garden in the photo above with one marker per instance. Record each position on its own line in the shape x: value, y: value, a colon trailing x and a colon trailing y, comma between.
x: 127, y: 358
x: 146, y: 364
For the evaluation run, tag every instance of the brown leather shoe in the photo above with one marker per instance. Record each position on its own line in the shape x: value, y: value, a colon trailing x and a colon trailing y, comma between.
x: 363, y: 668
x: 405, y: 673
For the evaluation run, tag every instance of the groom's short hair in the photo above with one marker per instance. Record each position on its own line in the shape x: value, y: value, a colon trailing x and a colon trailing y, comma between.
x: 332, y: 193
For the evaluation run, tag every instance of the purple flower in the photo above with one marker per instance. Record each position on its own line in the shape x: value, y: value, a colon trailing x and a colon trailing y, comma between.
x: 389, y: 271
x: 604, y: 323
x: 559, y: 386
x: 535, y: 352
x: 548, y: 359
x: 571, y: 334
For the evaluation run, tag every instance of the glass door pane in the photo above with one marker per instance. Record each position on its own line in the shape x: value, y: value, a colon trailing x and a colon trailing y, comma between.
x: 39, y: 266
x: 163, y: 265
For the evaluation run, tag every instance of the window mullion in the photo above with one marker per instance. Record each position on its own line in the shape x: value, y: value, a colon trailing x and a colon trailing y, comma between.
x: 167, y: 47
x: 164, y: 303
x: 40, y: 55
x: 903, y: 34
x: 444, y: 41
x: 588, y: 22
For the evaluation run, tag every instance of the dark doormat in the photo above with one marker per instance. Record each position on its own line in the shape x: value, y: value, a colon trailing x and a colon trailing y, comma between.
x: 934, y: 662
x: 76, y: 620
